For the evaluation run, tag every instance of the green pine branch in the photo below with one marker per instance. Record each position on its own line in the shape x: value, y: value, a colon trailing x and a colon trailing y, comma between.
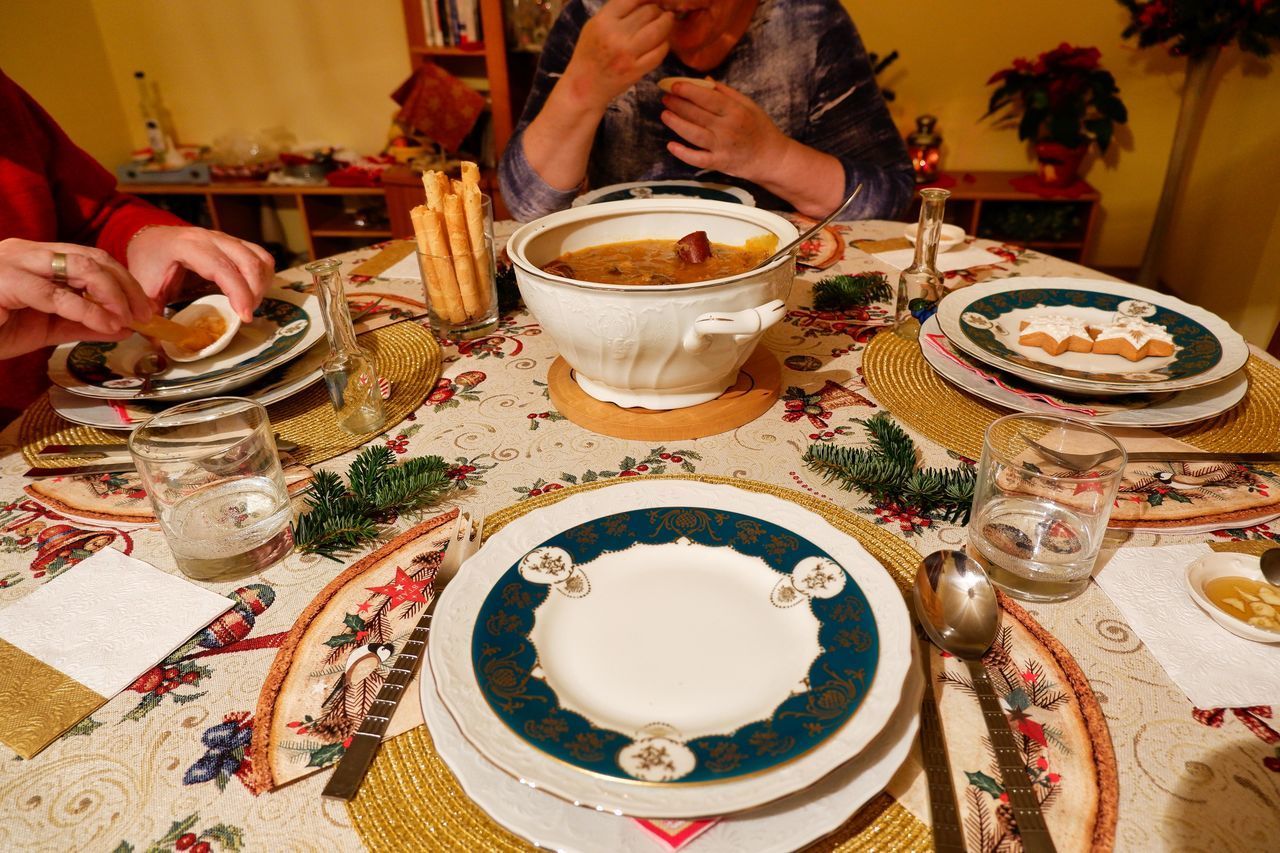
x: 342, y: 518
x: 842, y: 292
x: 887, y: 472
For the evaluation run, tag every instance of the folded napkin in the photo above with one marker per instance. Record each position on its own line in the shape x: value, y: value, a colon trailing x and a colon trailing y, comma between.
x: 80, y: 639
x: 438, y: 105
x: 1214, y: 667
x: 1178, y: 496
x: 959, y: 258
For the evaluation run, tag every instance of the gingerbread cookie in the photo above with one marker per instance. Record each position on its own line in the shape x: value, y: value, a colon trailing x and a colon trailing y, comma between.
x: 1133, y: 338
x: 1055, y: 334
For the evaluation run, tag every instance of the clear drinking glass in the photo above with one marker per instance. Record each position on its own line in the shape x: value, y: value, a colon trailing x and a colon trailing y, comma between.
x: 922, y: 280
x: 461, y: 291
x: 1036, y: 524
x: 213, y: 475
x: 350, y: 373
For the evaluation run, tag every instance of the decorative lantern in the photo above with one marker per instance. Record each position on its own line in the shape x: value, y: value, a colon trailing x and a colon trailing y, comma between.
x: 924, y: 146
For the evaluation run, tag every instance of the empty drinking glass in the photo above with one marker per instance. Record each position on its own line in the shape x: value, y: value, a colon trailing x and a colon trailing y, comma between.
x: 1037, y: 524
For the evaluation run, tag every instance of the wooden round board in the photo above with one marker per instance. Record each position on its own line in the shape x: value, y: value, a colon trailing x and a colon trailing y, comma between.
x: 758, y: 385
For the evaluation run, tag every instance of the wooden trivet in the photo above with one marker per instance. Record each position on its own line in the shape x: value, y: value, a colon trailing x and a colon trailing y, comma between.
x: 755, y: 392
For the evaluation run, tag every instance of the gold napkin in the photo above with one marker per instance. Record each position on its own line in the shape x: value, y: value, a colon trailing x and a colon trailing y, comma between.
x: 72, y: 644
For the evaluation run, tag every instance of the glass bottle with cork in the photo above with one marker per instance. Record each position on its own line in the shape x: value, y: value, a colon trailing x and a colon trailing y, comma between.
x: 922, y: 280
x: 349, y: 371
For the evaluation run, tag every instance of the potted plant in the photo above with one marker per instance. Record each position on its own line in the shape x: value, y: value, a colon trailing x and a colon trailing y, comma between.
x: 1062, y: 101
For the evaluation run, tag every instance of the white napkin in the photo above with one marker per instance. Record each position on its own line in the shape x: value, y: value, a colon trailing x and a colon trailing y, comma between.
x: 406, y: 267
x: 108, y: 620
x: 956, y: 259
x: 1214, y: 667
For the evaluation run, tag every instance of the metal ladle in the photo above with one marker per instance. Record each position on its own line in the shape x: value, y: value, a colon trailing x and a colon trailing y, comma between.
x: 1271, y: 566
x: 956, y: 604
x: 811, y: 231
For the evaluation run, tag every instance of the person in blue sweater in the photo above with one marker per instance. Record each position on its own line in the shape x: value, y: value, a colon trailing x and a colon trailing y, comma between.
x: 795, y: 116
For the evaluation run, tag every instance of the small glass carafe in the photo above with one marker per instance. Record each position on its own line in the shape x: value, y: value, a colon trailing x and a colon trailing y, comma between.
x: 922, y: 280
x: 349, y: 372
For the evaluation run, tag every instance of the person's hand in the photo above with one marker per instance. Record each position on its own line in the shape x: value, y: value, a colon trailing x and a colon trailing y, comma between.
x: 96, y: 302
x: 725, y: 130
x: 621, y: 43
x: 158, y: 257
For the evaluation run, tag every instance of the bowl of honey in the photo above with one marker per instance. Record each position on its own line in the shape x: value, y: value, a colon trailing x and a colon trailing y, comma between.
x: 1230, y: 587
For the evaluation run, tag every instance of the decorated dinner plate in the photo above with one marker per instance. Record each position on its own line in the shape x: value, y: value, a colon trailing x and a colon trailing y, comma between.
x: 285, y: 325
x: 1144, y: 410
x: 671, y: 649
x: 986, y: 321
x: 667, y: 189
x: 787, y: 824
x: 275, y: 385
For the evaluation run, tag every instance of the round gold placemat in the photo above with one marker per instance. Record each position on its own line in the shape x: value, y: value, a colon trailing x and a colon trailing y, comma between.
x: 410, y: 801
x: 904, y: 383
x: 408, y: 357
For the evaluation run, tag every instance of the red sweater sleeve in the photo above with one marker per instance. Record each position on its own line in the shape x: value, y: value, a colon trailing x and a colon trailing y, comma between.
x: 51, y: 189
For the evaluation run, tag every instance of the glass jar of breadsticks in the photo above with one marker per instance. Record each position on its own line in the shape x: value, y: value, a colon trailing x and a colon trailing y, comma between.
x: 455, y: 255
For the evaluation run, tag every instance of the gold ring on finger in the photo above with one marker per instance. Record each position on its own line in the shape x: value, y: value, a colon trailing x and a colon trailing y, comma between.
x: 59, y: 267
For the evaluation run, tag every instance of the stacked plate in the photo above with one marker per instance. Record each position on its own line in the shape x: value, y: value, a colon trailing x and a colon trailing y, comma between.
x: 672, y: 650
x: 98, y: 384
x: 980, y: 341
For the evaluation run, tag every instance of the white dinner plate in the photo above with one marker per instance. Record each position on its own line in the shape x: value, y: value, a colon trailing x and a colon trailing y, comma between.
x: 277, y: 384
x: 667, y: 189
x: 659, y: 700
x: 984, y: 321
x: 790, y: 823
x: 286, y: 326
x: 1143, y: 410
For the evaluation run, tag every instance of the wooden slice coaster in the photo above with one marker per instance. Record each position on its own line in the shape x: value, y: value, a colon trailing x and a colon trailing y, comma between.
x: 758, y: 385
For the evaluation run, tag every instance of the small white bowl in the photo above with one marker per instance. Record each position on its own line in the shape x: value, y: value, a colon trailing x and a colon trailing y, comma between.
x: 204, y: 306
x: 951, y: 236
x: 1217, y: 565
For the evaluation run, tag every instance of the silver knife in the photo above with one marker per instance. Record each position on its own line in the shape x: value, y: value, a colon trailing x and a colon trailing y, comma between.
x: 89, y: 450
x: 344, y: 784
x: 1202, y: 456
x: 948, y: 837
x: 119, y: 467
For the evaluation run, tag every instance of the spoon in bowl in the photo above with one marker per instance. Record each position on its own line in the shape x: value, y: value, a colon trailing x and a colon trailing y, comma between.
x: 956, y: 604
x: 1271, y: 566
x: 811, y: 231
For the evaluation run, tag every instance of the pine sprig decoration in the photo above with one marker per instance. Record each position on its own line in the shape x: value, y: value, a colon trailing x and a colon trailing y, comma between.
x: 842, y: 292
x: 887, y: 472
x: 341, y: 518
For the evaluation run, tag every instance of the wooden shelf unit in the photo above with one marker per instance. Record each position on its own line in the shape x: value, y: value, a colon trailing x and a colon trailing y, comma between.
x: 236, y: 208
x: 979, y: 197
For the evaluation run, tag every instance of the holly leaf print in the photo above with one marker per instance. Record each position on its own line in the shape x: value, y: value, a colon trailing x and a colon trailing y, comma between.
x: 325, y: 755
x: 983, y: 782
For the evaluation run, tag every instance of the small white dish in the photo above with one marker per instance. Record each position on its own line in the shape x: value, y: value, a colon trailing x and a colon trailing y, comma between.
x: 205, y: 309
x: 1219, y: 565
x: 950, y: 236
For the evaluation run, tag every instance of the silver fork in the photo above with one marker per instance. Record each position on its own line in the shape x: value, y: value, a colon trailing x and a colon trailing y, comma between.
x: 465, y: 542
x: 1074, y: 461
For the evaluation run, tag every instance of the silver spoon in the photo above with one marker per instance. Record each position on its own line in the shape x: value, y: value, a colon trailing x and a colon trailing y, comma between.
x: 1075, y: 461
x: 956, y: 604
x: 147, y: 368
x: 1271, y: 566
x: 814, y: 230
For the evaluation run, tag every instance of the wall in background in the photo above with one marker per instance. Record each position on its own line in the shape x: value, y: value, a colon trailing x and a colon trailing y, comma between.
x: 61, y: 60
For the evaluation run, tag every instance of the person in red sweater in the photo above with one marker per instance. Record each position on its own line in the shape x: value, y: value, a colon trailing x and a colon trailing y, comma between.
x: 58, y: 206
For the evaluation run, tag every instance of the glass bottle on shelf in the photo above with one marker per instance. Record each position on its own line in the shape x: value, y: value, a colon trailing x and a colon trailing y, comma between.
x: 349, y: 371
x: 922, y: 280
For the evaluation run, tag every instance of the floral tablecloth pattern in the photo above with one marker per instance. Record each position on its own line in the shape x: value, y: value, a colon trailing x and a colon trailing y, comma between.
x: 163, y: 765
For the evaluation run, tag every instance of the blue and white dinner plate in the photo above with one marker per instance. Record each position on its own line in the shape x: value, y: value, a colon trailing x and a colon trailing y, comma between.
x: 671, y: 649
x: 984, y: 321
x: 284, y: 327
x: 667, y: 189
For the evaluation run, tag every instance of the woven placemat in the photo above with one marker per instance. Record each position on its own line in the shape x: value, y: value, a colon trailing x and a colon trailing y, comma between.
x: 408, y: 357
x: 900, y: 378
x: 410, y: 800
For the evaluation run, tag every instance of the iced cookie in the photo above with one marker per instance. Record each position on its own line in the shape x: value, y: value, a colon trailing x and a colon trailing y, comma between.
x: 1055, y: 334
x: 1133, y: 338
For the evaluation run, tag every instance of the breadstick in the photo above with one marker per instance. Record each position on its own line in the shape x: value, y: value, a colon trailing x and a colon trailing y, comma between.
x: 470, y: 174
x: 473, y: 206
x: 463, y: 263
x: 430, y: 278
x: 433, y: 221
x: 431, y: 183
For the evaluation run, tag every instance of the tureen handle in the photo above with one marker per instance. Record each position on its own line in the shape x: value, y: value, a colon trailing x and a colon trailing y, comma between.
x: 740, y: 324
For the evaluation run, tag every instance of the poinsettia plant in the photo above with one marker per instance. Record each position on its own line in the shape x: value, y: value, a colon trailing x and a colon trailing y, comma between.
x: 1062, y: 96
x: 1194, y: 27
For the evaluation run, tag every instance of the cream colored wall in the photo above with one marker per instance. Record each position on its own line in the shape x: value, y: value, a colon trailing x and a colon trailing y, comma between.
x: 324, y: 69
x: 949, y: 49
x: 1224, y: 247
x: 58, y: 56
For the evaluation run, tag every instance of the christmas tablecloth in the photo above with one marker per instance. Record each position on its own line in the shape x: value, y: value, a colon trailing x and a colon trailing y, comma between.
x: 162, y: 765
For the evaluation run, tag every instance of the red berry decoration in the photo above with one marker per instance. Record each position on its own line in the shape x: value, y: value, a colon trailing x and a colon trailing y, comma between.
x: 190, y: 677
x: 677, y: 459
x: 171, y: 673
x: 642, y: 467
x: 202, y: 847
x: 185, y: 841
